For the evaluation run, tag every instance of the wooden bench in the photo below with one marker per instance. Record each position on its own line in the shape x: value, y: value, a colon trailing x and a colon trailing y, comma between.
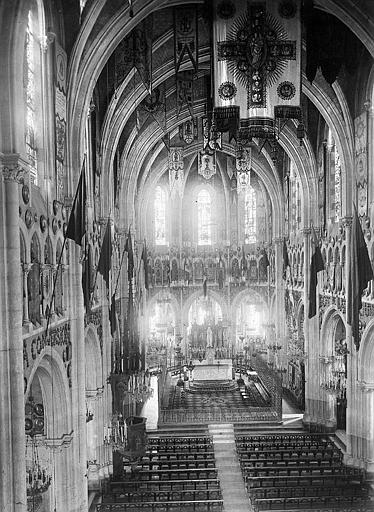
x: 292, y: 492
x: 302, y: 462
x: 289, y: 453
x: 168, y: 506
x: 306, y: 501
x: 134, y: 485
x: 302, y: 470
x: 155, y: 455
x: 177, y: 464
x: 172, y: 474
x: 160, y: 495
x: 305, y: 480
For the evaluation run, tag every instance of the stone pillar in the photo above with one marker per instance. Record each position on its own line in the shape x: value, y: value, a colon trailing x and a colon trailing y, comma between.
x: 78, y: 386
x: 26, y: 267
x: 279, y: 313
x: 351, y: 358
x: 12, y: 407
x: 311, y: 348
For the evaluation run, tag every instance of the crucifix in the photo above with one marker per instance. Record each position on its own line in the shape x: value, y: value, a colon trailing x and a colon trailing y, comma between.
x: 257, y: 52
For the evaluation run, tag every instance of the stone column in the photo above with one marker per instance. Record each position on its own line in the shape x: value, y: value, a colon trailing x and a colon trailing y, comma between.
x: 79, y: 497
x: 279, y: 312
x: 351, y: 358
x: 12, y: 407
x: 26, y: 267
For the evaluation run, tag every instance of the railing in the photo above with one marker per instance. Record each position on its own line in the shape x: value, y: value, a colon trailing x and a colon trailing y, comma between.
x: 247, y: 415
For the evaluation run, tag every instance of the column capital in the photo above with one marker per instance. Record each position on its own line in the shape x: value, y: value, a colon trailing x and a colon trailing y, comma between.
x: 278, y: 240
x: 306, y: 231
x: 15, y: 173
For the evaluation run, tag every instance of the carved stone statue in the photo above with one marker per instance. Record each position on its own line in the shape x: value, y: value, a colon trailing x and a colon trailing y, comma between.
x: 209, y: 337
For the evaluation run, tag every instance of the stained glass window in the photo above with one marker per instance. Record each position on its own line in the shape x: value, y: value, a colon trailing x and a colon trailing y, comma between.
x: 250, y: 212
x: 160, y: 216
x: 30, y: 96
x: 204, y: 213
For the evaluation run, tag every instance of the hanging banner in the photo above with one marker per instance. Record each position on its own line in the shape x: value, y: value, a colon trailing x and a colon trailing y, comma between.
x: 185, y: 36
x: 60, y: 118
x: 361, y: 163
x: 207, y: 165
x: 184, y: 86
x: 188, y: 131
x: 256, y: 55
x: 142, y: 51
x: 176, y: 171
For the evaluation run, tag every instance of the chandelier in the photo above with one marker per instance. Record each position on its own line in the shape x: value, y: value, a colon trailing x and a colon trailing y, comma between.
x: 334, y: 380
x: 115, y: 434
x: 38, y: 479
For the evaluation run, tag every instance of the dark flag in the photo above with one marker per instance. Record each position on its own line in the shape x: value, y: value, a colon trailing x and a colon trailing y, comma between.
x: 286, y: 260
x: 316, y: 265
x: 144, y: 257
x: 87, y: 267
x: 243, y: 263
x: 130, y: 257
x: 265, y: 259
x: 77, y: 220
x: 205, y: 285
x: 105, y: 259
x: 360, y: 273
x: 112, y: 315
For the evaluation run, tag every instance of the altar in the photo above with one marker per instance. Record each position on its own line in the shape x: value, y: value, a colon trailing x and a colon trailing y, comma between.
x: 211, y: 368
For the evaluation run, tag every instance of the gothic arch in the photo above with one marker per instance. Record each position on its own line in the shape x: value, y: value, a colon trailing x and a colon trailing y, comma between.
x: 329, y: 323
x: 245, y: 293
x: 49, y: 369
x: 93, y: 357
x: 366, y: 355
x: 195, y: 295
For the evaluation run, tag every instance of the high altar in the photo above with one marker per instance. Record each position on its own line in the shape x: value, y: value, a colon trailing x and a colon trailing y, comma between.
x: 211, y: 368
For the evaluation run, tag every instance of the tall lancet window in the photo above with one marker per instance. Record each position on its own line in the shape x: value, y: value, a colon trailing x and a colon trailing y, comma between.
x: 160, y: 216
x: 204, y: 218
x: 250, y: 214
x: 30, y: 90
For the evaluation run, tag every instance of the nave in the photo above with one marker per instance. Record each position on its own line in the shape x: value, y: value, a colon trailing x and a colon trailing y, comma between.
x: 187, y: 250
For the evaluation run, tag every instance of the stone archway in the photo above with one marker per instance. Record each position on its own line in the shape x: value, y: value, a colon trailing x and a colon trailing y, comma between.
x: 364, y: 404
x: 49, y: 375
x: 332, y: 384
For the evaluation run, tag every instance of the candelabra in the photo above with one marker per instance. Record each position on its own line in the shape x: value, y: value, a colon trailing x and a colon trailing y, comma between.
x: 115, y: 434
x: 38, y: 479
x: 334, y: 379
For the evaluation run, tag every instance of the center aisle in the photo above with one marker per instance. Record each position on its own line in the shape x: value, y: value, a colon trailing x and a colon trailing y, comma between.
x: 235, y: 497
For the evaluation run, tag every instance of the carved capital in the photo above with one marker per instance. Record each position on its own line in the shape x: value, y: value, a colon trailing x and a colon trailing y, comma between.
x: 306, y: 231
x: 278, y: 240
x: 14, y: 173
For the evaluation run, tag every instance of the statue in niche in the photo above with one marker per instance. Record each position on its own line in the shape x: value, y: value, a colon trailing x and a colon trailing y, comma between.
x: 209, y: 337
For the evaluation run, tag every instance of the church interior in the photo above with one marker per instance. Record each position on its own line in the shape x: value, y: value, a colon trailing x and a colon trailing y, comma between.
x: 186, y: 287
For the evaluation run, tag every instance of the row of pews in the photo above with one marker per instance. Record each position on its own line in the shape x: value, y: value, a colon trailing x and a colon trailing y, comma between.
x: 300, y: 471
x: 177, y: 474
